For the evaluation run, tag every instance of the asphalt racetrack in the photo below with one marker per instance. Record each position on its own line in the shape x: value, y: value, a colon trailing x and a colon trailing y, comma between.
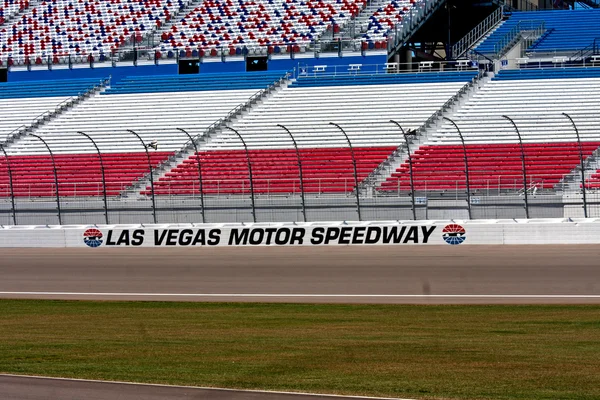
x: 355, y: 274
x: 342, y: 274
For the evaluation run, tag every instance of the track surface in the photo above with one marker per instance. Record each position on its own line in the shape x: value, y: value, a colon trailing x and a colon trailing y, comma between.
x: 359, y: 274
x: 366, y: 274
x: 24, y: 388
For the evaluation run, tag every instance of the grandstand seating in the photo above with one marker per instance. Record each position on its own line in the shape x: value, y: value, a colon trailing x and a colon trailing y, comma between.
x: 491, y: 166
x: 277, y: 26
x: 535, y: 100
x: 152, y: 106
x: 78, y: 174
x: 362, y: 105
x: 54, y: 30
x: 386, y: 18
x: 9, y: 8
x: 567, y: 30
x: 23, y: 102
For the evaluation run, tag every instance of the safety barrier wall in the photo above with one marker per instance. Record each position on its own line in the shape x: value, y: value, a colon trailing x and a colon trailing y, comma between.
x: 542, y: 231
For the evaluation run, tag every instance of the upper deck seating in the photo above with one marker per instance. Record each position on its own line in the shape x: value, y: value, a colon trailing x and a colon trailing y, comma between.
x: 54, y: 30
x: 566, y: 30
x: 276, y: 26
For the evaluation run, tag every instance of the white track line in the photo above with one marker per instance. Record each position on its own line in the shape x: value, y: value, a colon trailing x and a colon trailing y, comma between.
x: 272, y: 295
x: 200, y: 387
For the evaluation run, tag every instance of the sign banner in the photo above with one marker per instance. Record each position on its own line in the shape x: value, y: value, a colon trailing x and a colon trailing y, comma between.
x: 396, y: 233
x: 273, y: 236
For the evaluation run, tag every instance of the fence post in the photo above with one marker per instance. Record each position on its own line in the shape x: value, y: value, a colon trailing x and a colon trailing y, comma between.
x: 464, y: 147
x: 55, y: 176
x: 249, y: 172
x: 522, y: 164
x: 197, y: 157
x: 585, y: 213
x: 355, y: 172
x: 103, y: 175
x: 300, y: 171
x: 410, y: 169
x: 10, y: 182
x: 151, y: 175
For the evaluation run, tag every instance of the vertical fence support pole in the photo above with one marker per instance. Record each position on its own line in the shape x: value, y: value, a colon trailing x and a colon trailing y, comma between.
x: 55, y: 176
x: 249, y: 172
x: 151, y: 174
x: 410, y: 169
x: 585, y: 208
x: 199, y: 173
x: 464, y: 147
x: 103, y: 175
x: 10, y: 182
x: 299, y: 169
x: 355, y: 170
x: 522, y: 164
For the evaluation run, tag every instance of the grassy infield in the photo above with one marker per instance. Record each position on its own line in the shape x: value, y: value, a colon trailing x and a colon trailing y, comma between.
x: 456, y: 352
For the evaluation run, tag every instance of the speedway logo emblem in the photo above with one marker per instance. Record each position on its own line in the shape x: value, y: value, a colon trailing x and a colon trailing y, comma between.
x: 454, y: 234
x: 92, y: 237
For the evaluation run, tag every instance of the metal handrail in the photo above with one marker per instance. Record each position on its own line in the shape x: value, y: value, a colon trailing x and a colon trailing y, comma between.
x: 512, y: 36
x: 464, y: 44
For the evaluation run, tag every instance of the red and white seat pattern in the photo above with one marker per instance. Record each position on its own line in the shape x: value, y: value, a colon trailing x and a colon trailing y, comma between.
x: 276, y: 26
x: 53, y: 30
x: 8, y: 8
x: 363, y: 111
x: 491, y: 167
x: 78, y: 174
x: 493, y: 150
x: 324, y: 170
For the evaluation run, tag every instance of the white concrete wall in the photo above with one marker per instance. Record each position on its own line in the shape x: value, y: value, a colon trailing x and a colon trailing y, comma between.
x: 542, y: 231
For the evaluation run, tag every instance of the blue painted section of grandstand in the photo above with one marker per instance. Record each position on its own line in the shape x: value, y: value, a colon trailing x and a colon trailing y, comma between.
x: 229, y: 66
x: 569, y: 30
x: 547, y: 73
x: 52, y: 88
x: 194, y: 83
x: 116, y: 73
x: 385, y: 79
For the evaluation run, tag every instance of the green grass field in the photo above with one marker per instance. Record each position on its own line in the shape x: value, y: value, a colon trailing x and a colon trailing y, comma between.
x: 428, y: 352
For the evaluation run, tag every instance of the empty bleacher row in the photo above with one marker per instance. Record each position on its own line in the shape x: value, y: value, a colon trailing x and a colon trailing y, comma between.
x: 492, y: 167
x: 535, y: 101
x: 21, y: 103
x: 361, y: 105
x: 77, y: 174
x: 153, y: 107
x: 566, y: 30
